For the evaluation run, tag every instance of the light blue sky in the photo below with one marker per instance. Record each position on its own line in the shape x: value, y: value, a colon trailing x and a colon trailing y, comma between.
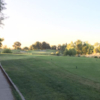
x: 54, y: 21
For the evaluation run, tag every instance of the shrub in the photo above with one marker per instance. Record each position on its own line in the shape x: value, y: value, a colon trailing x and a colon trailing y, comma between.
x: 66, y: 52
x: 6, y: 51
x: 52, y: 53
x: 95, y: 56
x: 57, y: 53
x: 70, y: 52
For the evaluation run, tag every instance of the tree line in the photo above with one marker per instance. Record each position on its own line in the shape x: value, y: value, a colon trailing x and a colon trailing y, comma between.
x: 35, y: 46
x: 78, y: 47
x: 73, y: 48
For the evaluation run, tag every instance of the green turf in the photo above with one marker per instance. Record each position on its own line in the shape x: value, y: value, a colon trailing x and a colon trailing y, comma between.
x: 36, y: 52
x: 16, y: 95
x: 45, y: 77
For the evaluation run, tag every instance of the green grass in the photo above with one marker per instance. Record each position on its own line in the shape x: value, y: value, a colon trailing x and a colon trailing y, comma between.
x: 16, y: 95
x: 45, y: 77
x: 34, y: 52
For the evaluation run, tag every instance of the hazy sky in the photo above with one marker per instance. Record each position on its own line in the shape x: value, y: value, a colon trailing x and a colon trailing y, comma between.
x: 53, y: 21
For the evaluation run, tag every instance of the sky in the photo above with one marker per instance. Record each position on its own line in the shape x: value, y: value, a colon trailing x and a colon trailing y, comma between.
x: 53, y: 21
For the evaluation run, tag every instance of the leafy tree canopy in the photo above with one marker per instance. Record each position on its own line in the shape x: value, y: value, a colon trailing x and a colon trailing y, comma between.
x: 17, y: 45
x: 2, y: 7
x: 1, y: 40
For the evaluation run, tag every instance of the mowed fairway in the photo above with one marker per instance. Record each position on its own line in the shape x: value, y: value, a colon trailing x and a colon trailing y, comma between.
x: 45, y: 77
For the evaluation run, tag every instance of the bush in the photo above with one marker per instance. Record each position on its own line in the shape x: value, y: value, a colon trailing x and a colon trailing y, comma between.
x: 6, y: 51
x: 66, y: 52
x: 70, y: 52
x: 57, y: 53
x: 95, y: 57
x: 52, y: 53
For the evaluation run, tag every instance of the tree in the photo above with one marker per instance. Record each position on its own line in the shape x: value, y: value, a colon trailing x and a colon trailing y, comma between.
x: 70, y: 46
x: 78, y: 44
x: 87, y: 48
x: 96, y: 44
x: 2, y: 7
x: 99, y: 48
x: 84, y: 49
x: 90, y: 49
x: 25, y: 48
x: 1, y: 40
x: 63, y: 47
x: 66, y: 52
x: 70, y: 49
x: 30, y: 48
x: 53, y: 47
x: 45, y: 45
x: 17, y: 45
x: 58, y: 47
x: 33, y: 47
x: 96, y: 50
x: 37, y: 45
x: 70, y: 52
